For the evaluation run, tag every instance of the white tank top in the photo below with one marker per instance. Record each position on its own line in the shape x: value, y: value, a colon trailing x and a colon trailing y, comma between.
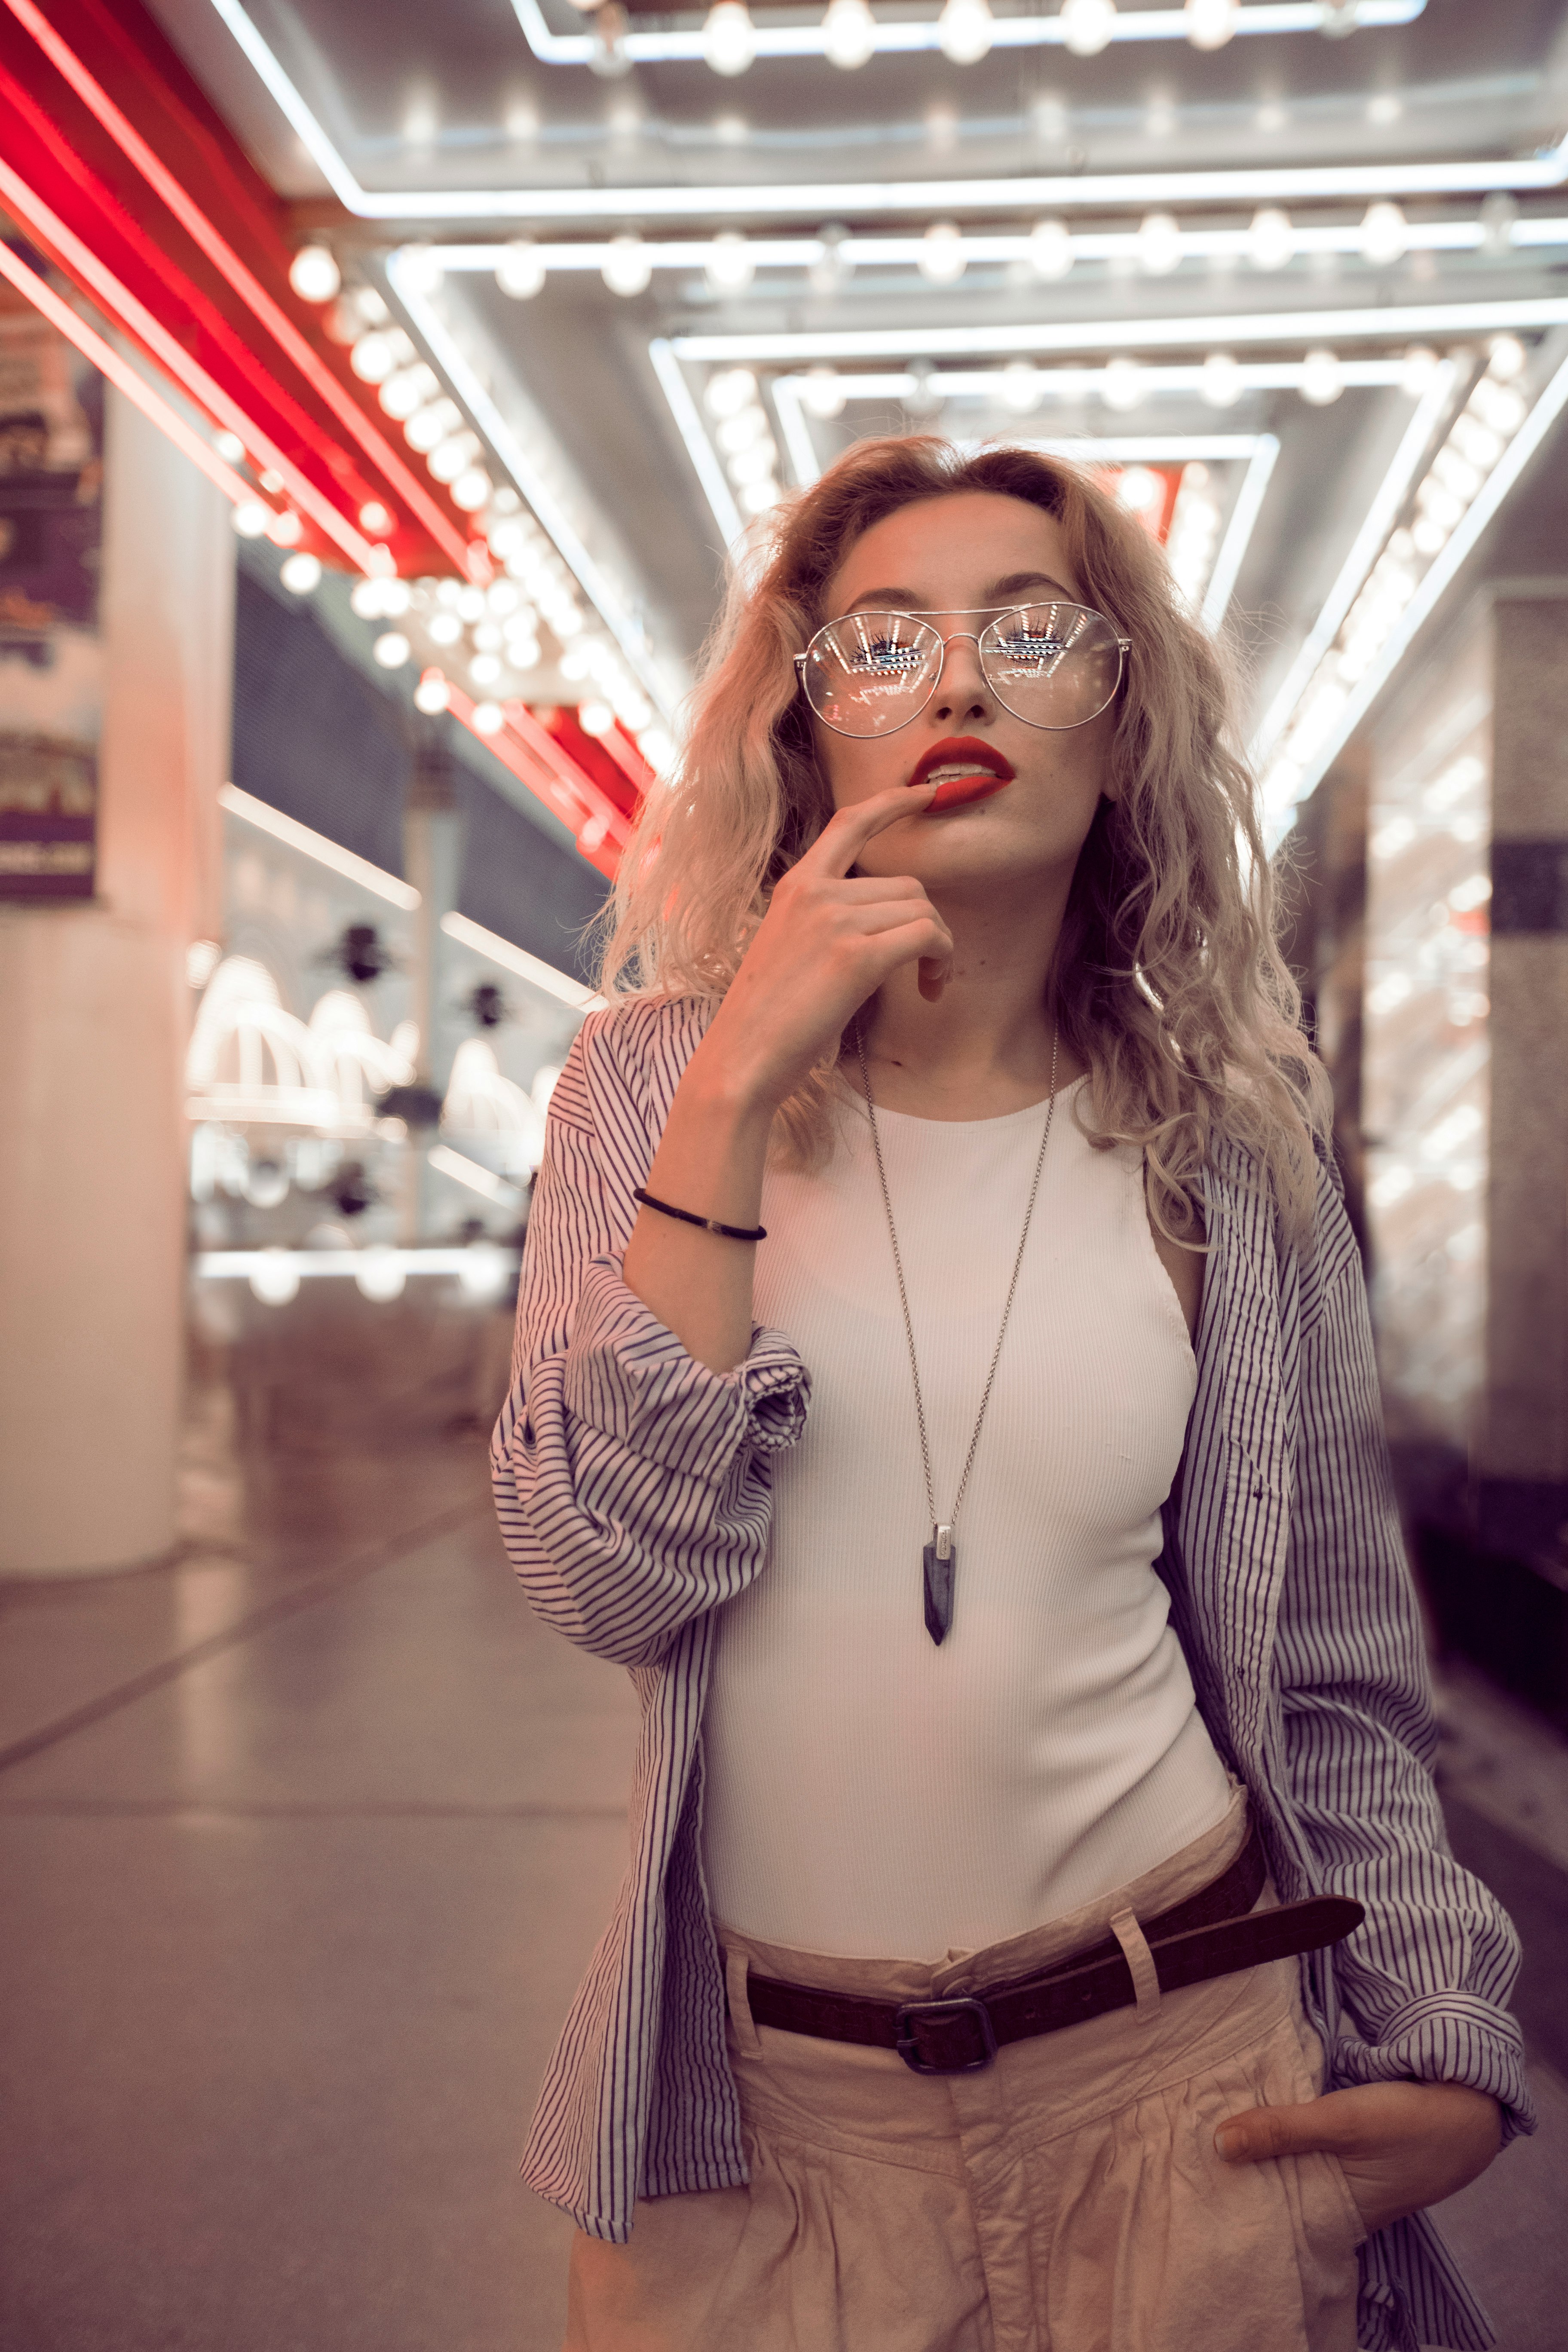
x: 867, y: 1793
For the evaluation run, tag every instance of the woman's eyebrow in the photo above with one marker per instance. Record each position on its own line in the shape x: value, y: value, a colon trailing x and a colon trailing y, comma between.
x: 1003, y: 592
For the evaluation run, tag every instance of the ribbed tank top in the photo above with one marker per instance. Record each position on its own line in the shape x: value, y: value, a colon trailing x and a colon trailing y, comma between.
x: 866, y: 1793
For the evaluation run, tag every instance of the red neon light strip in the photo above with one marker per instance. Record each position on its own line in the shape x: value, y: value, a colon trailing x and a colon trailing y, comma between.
x: 255, y: 295
x: 206, y: 316
x: 173, y: 355
x: 123, y: 376
x: 536, y: 760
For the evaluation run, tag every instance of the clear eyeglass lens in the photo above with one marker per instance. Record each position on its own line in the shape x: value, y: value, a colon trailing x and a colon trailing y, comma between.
x: 871, y: 672
x: 1052, y: 665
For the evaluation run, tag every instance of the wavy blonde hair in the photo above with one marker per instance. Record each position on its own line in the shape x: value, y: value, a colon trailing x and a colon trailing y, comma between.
x: 1167, y: 983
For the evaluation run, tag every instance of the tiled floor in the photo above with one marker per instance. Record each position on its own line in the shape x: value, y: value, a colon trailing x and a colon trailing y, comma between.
x: 305, y: 1840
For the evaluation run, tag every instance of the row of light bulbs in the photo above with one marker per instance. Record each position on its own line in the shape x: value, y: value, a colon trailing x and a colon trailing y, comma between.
x: 1474, y: 444
x: 965, y: 30
x: 410, y: 392
x: 1157, y: 245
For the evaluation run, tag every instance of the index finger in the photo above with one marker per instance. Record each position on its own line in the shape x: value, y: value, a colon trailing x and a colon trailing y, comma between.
x: 845, y: 834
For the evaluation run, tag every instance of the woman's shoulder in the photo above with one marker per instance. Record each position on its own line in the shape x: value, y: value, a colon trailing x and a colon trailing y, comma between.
x: 631, y: 1053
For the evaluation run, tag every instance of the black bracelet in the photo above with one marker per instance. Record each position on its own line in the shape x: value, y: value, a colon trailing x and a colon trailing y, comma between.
x: 708, y: 1225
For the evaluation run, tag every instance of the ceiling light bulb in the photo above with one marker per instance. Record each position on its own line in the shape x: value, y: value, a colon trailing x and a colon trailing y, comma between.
x: 1158, y: 244
x: 1270, y: 240
x: 1050, y: 249
x: 822, y: 392
x: 627, y: 267
x: 595, y: 717
x: 729, y: 37
x: 484, y: 669
x: 408, y: 389
x: 730, y: 391
x: 453, y: 455
x: 1506, y: 358
x: 1210, y: 23
x: 1123, y: 385
x: 301, y: 573
x: 489, y: 718
x: 1087, y: 26
x: 251, y: 518
x: 470, y: 604
x: 286, y: 530
x: 964, y: 31
x: 230, y: 447
x: 471, y: 488
x: 848, y: 33
x: 1221, y: 380
x: 730, y: 265
x: 429, y: 426
x: 373, y: 357
x: 1322, y: 379
x: 519, y: 272
x: 445, y: 629
x: 1020, y: 387
x: 432, y: 693
x: 392, y: 650
x: 942, y: 253
x: 1384, y: 236
x: 314, y: 275
x: 1416, y: 371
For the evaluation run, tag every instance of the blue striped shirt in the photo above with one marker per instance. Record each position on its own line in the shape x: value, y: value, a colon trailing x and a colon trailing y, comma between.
x: 633, y: 1487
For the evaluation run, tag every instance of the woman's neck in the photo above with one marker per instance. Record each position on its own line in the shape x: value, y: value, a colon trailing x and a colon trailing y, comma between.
x: 985, y: 1047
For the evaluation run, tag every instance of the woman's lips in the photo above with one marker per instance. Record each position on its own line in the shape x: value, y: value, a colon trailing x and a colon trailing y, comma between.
x: 958, y: 790
x: 986, y: 771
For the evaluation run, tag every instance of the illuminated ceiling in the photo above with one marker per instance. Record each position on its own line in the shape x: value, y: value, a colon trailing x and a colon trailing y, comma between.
x: 660, y: 294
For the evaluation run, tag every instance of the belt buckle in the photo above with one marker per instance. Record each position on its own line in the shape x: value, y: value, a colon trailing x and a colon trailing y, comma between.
x: 910, y: 2051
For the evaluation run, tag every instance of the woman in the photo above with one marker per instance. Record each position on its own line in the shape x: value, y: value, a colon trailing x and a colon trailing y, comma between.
x: 954, y: 1083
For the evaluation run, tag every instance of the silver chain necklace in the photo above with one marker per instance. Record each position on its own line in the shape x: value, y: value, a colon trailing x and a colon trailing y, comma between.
x: 940, y: 1561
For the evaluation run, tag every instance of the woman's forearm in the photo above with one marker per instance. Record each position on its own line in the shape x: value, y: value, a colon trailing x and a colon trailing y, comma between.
x: 711, y: 1161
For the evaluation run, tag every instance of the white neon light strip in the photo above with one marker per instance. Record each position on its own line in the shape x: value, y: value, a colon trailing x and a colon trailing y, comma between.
x: 1408, y: 322
x: 530, y: 478
x: 1239, y: 531
x: 527, y: 967
x: 464, y: 1171
x: 316, y: 844
x: 1435, y: 581
x: 343, y: 861
x: 1201, y: 243
x: 1378, y: 522
x: 896, y: 37
x: 698, y: 448
x: 846, y: 200
x: 226, y: 1265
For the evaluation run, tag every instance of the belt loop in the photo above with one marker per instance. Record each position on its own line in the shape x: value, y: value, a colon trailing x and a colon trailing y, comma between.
x: 1139, y: 1961
x: 737, y: 1968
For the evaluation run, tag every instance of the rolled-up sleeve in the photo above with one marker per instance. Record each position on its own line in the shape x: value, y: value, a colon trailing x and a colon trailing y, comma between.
x: 633, y: 1485
x: 1426, y: 1980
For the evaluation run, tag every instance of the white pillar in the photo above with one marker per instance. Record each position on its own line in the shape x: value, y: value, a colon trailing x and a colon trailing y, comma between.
x: 92, y: 1134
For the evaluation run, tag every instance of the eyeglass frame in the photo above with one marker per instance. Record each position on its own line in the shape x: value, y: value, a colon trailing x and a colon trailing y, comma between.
x: 962, y: 613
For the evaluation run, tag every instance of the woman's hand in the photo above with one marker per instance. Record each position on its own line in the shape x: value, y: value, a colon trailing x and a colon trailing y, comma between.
x: 1402, y: 2145
x: 825, y: 944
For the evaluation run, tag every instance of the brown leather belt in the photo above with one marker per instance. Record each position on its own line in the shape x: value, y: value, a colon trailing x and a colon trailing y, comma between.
x: 1214, y: 1933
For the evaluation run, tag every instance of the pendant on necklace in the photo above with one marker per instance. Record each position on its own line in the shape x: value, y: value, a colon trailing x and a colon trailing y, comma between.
x: 939, y: 1561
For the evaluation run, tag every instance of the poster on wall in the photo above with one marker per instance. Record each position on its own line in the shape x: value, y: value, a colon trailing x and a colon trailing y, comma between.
x: 51, y: 682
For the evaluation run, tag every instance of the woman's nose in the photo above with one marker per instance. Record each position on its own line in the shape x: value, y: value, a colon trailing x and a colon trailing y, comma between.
x: 964, y: 690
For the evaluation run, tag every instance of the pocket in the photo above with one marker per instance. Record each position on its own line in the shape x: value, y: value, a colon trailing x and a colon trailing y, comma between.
x: 1341, y: 2180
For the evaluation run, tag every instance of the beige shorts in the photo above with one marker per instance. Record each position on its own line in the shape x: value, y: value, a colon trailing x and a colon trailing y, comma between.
x: 1067, y: 2198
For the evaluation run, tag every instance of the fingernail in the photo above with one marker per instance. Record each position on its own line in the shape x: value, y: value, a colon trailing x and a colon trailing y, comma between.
x: 1227, y: 2142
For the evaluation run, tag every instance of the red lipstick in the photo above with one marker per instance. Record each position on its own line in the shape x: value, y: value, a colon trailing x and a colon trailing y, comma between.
x: 976, y: 769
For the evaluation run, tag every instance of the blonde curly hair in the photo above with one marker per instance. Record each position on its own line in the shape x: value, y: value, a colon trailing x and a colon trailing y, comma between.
x: 1167, y: 983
